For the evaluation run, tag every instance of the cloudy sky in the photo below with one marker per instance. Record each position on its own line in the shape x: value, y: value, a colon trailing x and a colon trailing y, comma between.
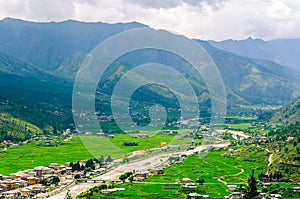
x: 204, y: 19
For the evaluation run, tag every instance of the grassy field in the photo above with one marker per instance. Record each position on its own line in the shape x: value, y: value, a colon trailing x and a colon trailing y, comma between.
x: 162, y: 190
x: 240, y: 122
x: 143, y: 143
x: 243, y: 123
x: 36, y: 153
x: 251, y: 153
x: 216, y: 169
x: 247, y: 118
x: 211, y: 168
x: 32, y: 155
x: 242, y: 126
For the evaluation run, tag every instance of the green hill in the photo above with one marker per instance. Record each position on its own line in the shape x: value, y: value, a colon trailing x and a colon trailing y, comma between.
x: 60, y: 47
x: 33, y: 95
x: 15, y: 129
x: 55, y: 45
x: 255, y: 81
x: 286, y: 157
x: 288, y: 114
x: 40, y: 60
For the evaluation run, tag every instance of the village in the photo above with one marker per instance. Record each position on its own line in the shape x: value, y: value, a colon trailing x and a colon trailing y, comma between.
x: 35, y: 182
x: 45, y: 181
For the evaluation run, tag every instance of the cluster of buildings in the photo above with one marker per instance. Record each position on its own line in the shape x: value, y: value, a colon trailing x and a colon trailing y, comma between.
x: 142, y: 175
x: 197, y: 196
x: 31, y: 182
x: 239, y: 195
x: 8, y: 143
x: 22, y: 184
x: 141, y: 136
x: 28, y: 183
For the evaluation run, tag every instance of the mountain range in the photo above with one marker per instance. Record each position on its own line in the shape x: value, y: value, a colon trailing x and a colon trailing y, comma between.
x: 39, y: 62
x: 282, y: 51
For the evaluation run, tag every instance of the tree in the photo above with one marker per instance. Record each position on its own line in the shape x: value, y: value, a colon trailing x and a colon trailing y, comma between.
x: 251, y: 191
x: 200, y: 181
x: 44, y: 182
x: 55, y: 180
x: 87, y: 169
x: 103, y: 186
x: 68, y: 196
x: 63, y: 172
x: 54, y: 129
x: 77, y: 176
x: 101, y: 161
x: 76, y: 167
x: 109, y: 159
x: 241, y: 188
x: 124, y: 176
x: 130, y: 179
x: 89, y: 163
x: 273, y: 188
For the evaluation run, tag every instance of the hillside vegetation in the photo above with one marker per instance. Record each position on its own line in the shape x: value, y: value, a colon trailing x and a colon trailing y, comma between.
x: 15, y: 129
x: 287, y: 152
x: 37, y: 74
x: 289, y: 114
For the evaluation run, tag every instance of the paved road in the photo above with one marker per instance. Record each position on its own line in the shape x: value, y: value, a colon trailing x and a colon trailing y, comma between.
x: 140, y: 165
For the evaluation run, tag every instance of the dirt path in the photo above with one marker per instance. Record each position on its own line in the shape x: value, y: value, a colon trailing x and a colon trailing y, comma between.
x: 270, y: 162
x: 242, y: 171
x: 224, y: 182
x: 270, y: 159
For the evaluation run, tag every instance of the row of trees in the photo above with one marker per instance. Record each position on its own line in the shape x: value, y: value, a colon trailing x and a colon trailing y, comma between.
x: 90, y: 164
x: 272, y: 176
x: 126, y: 175
x: 81, y: 167
x: 48, y: 181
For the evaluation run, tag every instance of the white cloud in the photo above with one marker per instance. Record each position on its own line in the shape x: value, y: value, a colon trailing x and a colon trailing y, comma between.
x: 204, y: 19
x: 46, y: 10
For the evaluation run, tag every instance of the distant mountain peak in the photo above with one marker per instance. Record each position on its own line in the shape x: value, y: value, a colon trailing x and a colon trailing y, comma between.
x: 10, y: 19
x: 282, y: 51
x: 73, y: 21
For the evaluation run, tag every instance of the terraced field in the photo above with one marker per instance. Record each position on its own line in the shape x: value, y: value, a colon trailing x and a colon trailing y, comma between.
x: 217, y: 170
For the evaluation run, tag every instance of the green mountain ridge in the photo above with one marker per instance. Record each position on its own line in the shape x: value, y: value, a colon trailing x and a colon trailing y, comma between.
x: 14, y: 66
x: 49, y: 45
x: 288, y: 114
x: 33, y: 95
x: 256, y: 81
x: 39, y: 62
